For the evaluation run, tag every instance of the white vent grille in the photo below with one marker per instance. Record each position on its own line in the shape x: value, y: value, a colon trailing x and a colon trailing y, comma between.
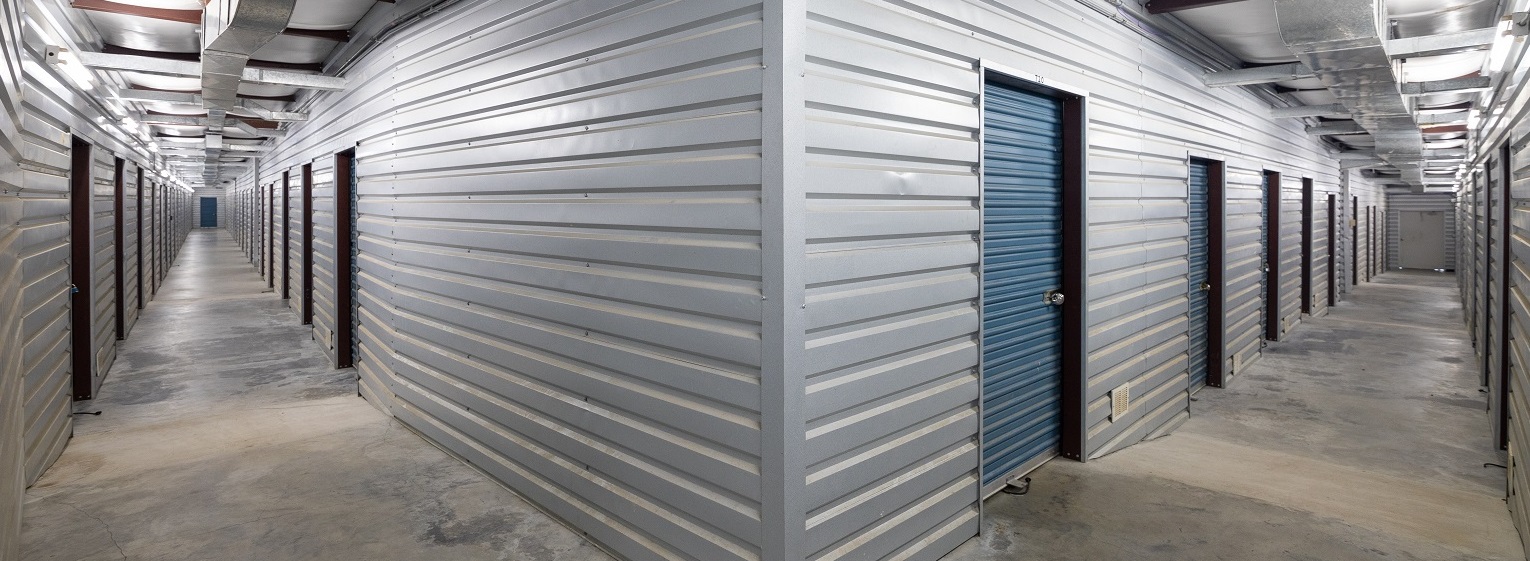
x: 1120, y: 401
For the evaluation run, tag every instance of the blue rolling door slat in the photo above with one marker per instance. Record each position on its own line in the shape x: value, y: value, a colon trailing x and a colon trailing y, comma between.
x: 1200, y: 247
x: 1022, y: 260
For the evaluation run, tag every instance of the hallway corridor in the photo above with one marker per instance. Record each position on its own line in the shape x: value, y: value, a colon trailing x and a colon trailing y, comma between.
x: 225, y: 434
x: 1362, y: 436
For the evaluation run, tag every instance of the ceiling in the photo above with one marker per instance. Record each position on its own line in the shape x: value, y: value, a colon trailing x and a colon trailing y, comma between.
x: 1250, y: 30
x: 202, y: 148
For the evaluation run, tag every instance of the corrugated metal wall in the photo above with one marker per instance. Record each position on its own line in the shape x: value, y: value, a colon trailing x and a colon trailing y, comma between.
x: 559, y: 265
x: 45, y: 269
x: 1519, y: 382
x: 103, y: 251
x: 1290, y: 254
x: 560, y: 272
x: 217, y: 193
x: 129, y: 291
x: 1444, y: 203
x: 12, y: 213
x: 1320, y: 242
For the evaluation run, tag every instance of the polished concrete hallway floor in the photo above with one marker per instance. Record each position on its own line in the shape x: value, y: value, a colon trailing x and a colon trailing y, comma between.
x: 225, y: 435
x: 1361, y: 436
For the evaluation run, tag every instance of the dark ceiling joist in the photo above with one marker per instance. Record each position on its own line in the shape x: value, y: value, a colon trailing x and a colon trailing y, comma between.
x: 109, y: 48
x: 1167, y: 6
x: 282, y: 98
x: 193, y: 17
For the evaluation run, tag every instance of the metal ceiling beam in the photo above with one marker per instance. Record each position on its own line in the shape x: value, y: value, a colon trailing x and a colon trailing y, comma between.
x: 1330, y: 110
x: 1472, y: 84
x: 1343, y: 128
x: 1441, y: 118
x: 149, y: 65
x: 194, y: 17
x: 1156, y: 7
x: 1443, y: 44
x: 1257, y: 75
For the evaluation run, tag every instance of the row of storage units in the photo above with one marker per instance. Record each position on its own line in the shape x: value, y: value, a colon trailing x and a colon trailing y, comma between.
x: 90, y: 223
x: 699, y: 314
x: 1492, y: 218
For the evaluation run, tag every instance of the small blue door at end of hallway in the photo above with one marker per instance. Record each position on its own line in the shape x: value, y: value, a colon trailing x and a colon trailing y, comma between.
x: 1021, y: 272
x: 209, y: 212
x: 1200, y: 269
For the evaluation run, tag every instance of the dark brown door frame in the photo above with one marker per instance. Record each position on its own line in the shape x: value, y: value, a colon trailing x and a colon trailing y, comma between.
x: 345, y: 196
x: 153, y: 239
x: 118, y: 238
x: 1272, y: 255
x: 1333, y: 232
x: 307, y: 243
x: 138, y: 227
x: 1216, y: 253
x: 1075, y: 219
x: 81, y: 195
x: 286, y: 235
x: 271, y: 233
x: 1506, y: 311
x: 1307, y: 245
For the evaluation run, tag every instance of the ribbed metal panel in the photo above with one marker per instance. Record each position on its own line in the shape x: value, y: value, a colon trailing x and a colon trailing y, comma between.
x: 1320, y: 244
x: 558, y: 256
x: 1444, y: 203
x: 12, y: 211
x: 1519, y: 343
x: 1198, y: 198
x: 103, y: 223
x: 1493, y: 303
x: 1022, y: 261
x: 1243, y: 286
x: 44, y: 248
x: 130, y: 257
x: 1290, y: 254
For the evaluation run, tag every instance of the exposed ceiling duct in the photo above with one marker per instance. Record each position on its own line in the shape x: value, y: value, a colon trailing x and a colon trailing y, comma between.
x: 1344, y: 43
x: 232, y: 31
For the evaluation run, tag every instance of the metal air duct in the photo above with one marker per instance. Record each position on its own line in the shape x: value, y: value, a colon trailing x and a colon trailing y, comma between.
x: 232, y: 30
x: 1344, y: 43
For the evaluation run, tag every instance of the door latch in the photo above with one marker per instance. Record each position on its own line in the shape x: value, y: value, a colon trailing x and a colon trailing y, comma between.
x: 74, y: 289
x: 1205, y: 287
x: 1052, y: 298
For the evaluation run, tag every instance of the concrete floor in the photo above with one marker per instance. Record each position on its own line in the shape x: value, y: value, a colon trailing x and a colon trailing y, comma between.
x: 225, y: 435
x: 1362, y: 436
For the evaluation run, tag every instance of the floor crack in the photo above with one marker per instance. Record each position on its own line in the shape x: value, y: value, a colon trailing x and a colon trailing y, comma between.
x: 104, y: 525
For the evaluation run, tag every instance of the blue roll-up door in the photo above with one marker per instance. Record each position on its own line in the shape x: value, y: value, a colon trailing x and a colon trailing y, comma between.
x: 1200, y: 269
x: 209, y: 212
x: 1022, y: 262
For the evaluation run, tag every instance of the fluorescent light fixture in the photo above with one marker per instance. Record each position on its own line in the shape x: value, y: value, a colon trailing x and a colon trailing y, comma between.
x: 76, y: 71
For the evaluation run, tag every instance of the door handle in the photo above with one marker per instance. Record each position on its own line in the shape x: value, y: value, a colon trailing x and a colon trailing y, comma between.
x: 1052, y: 298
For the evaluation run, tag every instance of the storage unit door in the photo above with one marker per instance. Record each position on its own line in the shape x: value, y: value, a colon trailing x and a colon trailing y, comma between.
x: 1022, y: 262
x: 1200, y: 270
x: 209, y: 212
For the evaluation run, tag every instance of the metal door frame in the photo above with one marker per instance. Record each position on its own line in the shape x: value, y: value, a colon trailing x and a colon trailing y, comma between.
x: 307, y: 241
x: 118, y: 238
x: 138, y: 196
x: 1506, y: 310
x: 286, y: 235
x: 1272, y: 195
x: 1072, y: 442
x: 1216, y: 266
x: 345, y: 230
x: 81, y: 197
x: 1307, y: 200
x: 1333, y: 244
